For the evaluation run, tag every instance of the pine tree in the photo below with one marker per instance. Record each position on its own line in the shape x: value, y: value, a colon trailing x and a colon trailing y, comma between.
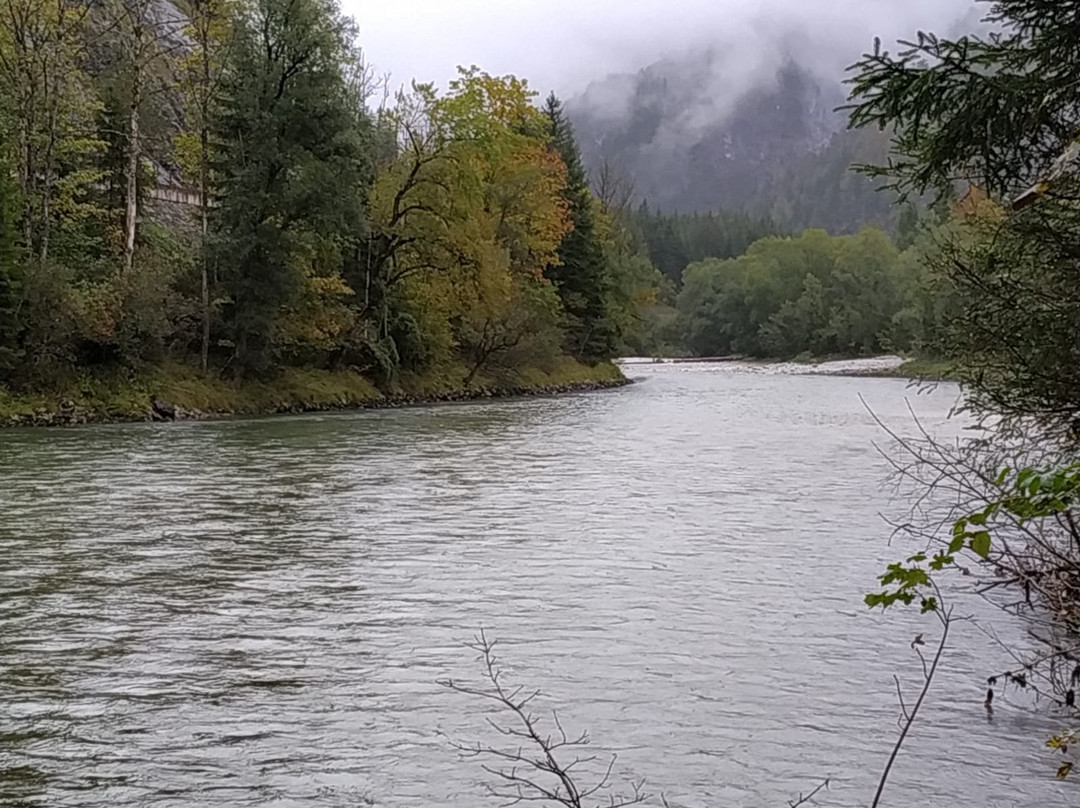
x: 581, y: 277
x: 667, y: 248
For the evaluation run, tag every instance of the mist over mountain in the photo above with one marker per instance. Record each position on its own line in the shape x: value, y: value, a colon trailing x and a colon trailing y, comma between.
x: 775, y: 146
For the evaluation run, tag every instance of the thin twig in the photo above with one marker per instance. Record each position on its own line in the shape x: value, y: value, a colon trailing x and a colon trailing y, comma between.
x: 809, y: 797
x: 946, y: 621
x: 535, y: 770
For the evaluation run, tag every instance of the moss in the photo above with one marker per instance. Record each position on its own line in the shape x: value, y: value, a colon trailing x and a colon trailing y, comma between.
x: 444, y: 378
x: 560, y: 372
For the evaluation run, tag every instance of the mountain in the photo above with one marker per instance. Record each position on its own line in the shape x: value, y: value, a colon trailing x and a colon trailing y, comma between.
x: 773, y: 145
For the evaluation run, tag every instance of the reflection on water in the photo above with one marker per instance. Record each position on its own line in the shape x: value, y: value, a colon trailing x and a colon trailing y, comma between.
x: 256, y: 612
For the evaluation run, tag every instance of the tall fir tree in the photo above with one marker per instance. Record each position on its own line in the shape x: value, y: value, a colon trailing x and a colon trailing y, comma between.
x: 581, y: 277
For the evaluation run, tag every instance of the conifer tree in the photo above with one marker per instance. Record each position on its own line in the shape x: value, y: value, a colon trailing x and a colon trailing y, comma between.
x: 997, y: 113
x: 581, y: 277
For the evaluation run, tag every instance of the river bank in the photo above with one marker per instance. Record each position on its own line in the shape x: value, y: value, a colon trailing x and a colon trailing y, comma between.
x: 919, y: 369
x: 177, y: 392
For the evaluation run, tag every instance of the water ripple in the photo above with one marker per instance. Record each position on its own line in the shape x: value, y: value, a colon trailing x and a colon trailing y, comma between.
x: 256, y: 612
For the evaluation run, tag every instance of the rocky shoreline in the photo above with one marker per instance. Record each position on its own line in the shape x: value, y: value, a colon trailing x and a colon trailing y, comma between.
x: 161, y: 411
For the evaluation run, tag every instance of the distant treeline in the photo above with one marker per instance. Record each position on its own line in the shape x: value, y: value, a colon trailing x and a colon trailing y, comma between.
x: 746, y: 290
x: 673, y: 241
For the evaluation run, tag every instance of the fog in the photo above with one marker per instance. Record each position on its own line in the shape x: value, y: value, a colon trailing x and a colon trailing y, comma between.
x: 563, y: 45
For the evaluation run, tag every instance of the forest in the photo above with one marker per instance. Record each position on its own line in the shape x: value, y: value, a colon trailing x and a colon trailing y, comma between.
x: 813, y: 294
x: 224, y: 188
x: 778, y: 147
x: 225, y: 191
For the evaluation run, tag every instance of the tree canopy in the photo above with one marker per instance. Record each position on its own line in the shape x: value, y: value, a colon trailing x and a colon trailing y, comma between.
x: 221, y: 188
x: 814, y: 293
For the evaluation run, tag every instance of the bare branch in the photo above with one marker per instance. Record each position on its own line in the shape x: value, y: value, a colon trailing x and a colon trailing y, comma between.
x: 534, y: 772
x: 803, y: 800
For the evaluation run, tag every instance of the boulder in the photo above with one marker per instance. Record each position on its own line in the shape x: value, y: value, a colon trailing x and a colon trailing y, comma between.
x: 162, y: 411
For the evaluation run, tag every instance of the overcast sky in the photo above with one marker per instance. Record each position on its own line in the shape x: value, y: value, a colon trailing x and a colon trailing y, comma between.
x: 561, y: 45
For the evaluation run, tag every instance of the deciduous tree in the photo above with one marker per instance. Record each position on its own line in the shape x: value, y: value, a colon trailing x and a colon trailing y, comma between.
x: 293, y: 166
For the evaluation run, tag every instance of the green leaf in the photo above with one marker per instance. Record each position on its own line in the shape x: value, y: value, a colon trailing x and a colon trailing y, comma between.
x: 942, y: 560
x: 980, y: 544
x: 956, y: 545
x: 1064, y: 769
x: 977, y: 519
x: 1001, y: 478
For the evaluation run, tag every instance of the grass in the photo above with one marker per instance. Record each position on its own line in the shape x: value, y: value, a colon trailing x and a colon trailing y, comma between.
x: 567, y: 371
x: 560, y: 372
x: 923, y: 369
x: 128, y: 396
x: 106, y: 396
x: 292, y: 389
x: 929, y: 369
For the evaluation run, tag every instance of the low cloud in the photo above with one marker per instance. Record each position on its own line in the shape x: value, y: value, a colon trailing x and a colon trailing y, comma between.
x: 563, y: 45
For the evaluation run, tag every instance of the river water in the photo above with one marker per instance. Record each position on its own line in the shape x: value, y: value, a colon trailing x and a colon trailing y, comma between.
x: 255, y: 612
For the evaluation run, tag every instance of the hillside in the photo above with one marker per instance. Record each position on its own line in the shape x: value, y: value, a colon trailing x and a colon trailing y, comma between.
x: 772, y: 146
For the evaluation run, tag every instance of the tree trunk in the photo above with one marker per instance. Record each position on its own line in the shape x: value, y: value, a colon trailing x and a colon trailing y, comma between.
x: 53, y: 83
x: 47, y: 184
x: 25, y: 156
x: 240, y: 356
x: 481, y: 355
x: 472, y: 373
x: 204, y: 204
x: 204, y: 354
x: 204, y: 182
x: 131, y: 211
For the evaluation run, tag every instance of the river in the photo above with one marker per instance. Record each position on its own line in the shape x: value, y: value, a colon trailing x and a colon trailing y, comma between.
x: 255, y: 612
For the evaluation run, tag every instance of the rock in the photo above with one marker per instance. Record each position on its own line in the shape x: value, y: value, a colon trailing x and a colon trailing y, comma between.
x: 162, y: 411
